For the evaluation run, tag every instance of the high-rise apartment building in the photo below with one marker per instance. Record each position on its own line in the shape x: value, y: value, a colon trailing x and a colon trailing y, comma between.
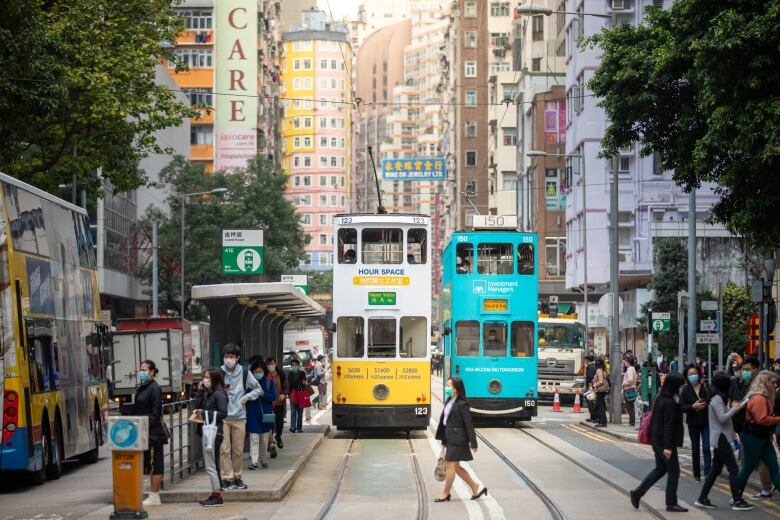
x: 226, y: 72
x: 317, y: 127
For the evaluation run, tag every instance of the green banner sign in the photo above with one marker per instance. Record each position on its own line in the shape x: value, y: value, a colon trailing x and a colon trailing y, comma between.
x: 242, y: 251
x: 381, y: 298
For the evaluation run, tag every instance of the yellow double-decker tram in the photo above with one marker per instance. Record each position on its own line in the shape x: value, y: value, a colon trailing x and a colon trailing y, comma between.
x: 382, y: 322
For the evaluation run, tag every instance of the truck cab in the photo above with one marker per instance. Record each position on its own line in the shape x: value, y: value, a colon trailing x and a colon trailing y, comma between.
x: 561, y: 356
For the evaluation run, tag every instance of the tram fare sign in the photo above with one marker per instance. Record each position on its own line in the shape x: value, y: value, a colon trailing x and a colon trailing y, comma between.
x: 415, y: 169
x: 382, y: 298
x: 242, y: 251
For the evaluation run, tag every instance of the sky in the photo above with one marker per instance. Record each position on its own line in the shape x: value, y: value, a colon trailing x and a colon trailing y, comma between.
x: 340, y: 8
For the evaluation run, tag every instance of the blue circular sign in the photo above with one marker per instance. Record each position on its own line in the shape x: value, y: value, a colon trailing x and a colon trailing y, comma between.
x: 123, y: 434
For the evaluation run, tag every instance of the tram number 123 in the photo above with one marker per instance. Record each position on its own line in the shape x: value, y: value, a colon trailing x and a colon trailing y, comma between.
x: 421, y: 410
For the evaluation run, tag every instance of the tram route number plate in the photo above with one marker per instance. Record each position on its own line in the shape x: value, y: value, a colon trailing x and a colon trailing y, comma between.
x: 421, y: 410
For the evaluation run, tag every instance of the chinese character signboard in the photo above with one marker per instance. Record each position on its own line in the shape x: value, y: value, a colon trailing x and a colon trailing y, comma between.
x: 382, y: 298
x: 301, y: 281
x: 242, y: 251
x: 555, y: 122
x: 235, y: 78
x: 551, y: 192
x: 415, y: 169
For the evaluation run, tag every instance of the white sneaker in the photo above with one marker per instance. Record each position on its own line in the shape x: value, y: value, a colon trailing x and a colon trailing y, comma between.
x: 152, y: 500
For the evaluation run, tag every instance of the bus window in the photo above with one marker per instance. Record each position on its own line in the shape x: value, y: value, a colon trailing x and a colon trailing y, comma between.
x: 525, y: 259
x: 494, y: 259
x: 349, y: 334
x: 347, y: 246
x: 43, y: 356
x: 522, y: 339
x: 382, y: 246
x: 414, y: 337
x: 381, y: 337
x: 416, y: 246
x: 494, y: 333
x: 463, y: 258
x: 467, y: 338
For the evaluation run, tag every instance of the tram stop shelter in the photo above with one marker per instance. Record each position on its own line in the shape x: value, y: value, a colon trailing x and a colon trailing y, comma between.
x: 253, y: 315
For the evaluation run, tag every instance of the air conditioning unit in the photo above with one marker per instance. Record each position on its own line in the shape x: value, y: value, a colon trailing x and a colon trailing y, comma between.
x: 619, y: 5
x: 628, y: 150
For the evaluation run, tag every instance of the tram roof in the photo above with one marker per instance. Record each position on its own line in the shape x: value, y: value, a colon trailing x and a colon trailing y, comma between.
x: 280, y: 297
x: 383, y: 215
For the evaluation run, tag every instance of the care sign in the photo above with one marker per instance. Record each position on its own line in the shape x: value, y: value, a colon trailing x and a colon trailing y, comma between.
x: 242, y: 251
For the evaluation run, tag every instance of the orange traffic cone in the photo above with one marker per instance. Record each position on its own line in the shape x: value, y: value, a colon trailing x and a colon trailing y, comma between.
x: 577, y: 406
x: 557, y: 401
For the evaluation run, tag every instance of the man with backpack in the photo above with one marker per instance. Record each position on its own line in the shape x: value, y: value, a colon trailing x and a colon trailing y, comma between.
x: 240, y: 389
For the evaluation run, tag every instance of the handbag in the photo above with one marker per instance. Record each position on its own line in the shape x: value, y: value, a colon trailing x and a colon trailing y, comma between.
x: 631, y: 394
x: 166, y: 431
x: 268, y: 418
x: 304, y: 401
x: 439, y: 473
x: 643, y: 435
x: 209, y: 431
x: 294, y: 397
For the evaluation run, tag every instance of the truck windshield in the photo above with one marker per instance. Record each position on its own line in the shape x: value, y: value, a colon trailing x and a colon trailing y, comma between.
x: 561, y: 335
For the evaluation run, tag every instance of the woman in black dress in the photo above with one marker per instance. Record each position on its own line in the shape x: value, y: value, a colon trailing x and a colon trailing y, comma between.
x: 456, y: 434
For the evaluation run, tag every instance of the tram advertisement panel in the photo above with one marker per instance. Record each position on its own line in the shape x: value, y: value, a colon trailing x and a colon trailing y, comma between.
x: 405, y: 381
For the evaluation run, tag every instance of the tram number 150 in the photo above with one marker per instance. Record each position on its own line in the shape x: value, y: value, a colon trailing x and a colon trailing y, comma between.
x: 421, y: 410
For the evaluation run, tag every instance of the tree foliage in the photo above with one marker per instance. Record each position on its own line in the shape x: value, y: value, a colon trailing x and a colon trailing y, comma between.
x: 78, y: 91
x: 737, y: 308
x: 670, y: 276
x: 697, y: 84
x: 255, y: 200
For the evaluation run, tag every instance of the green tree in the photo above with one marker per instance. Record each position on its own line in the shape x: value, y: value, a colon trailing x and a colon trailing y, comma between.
x: 670, y: 276
x: 255, y: 200
x: 78, y: 90
x: 737, y: 308
x: 697, y: 84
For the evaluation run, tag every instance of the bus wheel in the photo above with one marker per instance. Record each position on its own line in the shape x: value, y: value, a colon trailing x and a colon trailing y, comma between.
x: 54, y: 469
x: 37, y: 478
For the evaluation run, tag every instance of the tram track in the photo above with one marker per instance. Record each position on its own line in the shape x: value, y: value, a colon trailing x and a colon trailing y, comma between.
x: 329, y: 507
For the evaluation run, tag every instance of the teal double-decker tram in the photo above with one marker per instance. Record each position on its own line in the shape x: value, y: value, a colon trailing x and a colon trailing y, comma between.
x: 489, y: 321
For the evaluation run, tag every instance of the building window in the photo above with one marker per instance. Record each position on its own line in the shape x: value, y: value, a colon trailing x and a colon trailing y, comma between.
x: 555, y: 256
x: 323, y: 200
x: 307, y: 180
x: 296, y: 64
x: 195, y: 20
x: 200, y: 96
x: 470, y: 10
x: 536, y: 64
x: 333, y: 65
x: 296, y: 161
x: 470, y: 41
x: 323, y: 122
x: 471, y: 98
x: 323, y: 240
x: 471, y: 158
x: 201, y: 134
x: 194, y: 58
x: 499, y: 8
x: 658, y: 167
x: 471, y: 129
x: 307, y: 122
x: 307, y: 161
x: 324, y: 64
x: 510, y: 136
x: 323, y: 219
x: 537, y: 27
x: 306, y: 219
x: 323, y: 180
x: 624, y: 165
x: 307, y: 64
x: 333, y: 200
x: 307, y: 142
x: 499, y: 66
x: 511, y: 91
x: 296, y: 142
x: 508, y: 181
x: 333, y: 162
x: 470, y: 69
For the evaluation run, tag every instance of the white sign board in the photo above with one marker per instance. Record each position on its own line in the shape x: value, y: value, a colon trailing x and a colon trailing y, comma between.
x: 706, y: 338
x: 295, y: 279
x: 495, y: 221
x: 709, y: 305
x: 708, y: 325
x: 662, y: 315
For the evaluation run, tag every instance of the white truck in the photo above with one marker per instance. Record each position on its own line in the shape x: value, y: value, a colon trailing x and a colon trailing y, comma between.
x: 561, y: 356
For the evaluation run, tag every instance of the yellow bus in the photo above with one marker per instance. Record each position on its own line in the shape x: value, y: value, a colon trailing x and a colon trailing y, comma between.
x: 53, y: 391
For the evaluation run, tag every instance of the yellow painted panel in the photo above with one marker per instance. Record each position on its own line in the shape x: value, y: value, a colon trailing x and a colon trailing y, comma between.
x: 408, y: 382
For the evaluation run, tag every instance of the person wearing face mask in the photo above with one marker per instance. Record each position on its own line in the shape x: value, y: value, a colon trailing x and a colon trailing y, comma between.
x: 240, y: 389
x: 456, y: 433
x: 693, y: 402
x: 739, y: 390
x: 666, y: 434
x: 212, y: 399
x: 279, y: 378
x: 148, y: 402
x: 297, y: 383
x: 260, y: 430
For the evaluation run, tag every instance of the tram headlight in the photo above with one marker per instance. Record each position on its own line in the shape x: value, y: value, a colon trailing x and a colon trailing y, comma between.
x: 494, y: 386
x: 381, y: 392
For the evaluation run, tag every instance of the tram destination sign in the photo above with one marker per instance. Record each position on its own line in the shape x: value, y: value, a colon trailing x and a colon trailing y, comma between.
x: 495, y: 305
x: 381, y: 298
x: 415, y: 169
x: 242, y: 251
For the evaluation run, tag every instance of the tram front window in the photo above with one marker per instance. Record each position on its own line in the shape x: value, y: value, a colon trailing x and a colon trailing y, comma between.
x: 349, y: 334
x: 494, y: 333
x: 494, y: 259
x: 347, y: 246
x: 522, y: 339
x: 416, y: 246
x: 464, y: 256
x: 382, y: 246
x: 525, y: 259
x: 414, y: 337
x: 381, y: 337
x: 467, y: 338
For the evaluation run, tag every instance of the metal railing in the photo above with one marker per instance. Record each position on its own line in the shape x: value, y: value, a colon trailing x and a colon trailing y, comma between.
x: 183, y: 453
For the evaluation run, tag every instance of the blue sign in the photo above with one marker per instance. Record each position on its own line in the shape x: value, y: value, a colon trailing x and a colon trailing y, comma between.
x: 39, y: 283
x: 415, y: 169
x: 123, y: 434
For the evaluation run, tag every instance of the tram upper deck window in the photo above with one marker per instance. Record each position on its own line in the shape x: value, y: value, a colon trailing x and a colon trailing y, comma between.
x: 464, y: 255
x: 382, y: 246
x: 522, y: 339
x: 414, y: 337
x: 494, y: 333
x: 416, y: 246
x: 525, y: 259
x: 494, y: 259
x: 347, y: 245
x: 349, y: 334
x: 467, y: 338
x: 381, y: 337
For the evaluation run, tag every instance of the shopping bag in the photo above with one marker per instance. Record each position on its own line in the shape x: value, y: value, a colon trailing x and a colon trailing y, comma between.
x: 439, y: 473
x: 209, y: 431
x: 643, y: 435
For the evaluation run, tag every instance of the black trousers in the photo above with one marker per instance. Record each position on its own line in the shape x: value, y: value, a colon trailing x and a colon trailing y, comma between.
x: 601, y: 408
x: 279, y: 411
x: 670, y: 467
x: 631, y: 410
x: 724, y: 456
x: 591, y: 408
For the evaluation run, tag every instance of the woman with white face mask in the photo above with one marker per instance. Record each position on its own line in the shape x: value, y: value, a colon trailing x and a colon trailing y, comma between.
x: 148, y: 402
x: 212, y: 400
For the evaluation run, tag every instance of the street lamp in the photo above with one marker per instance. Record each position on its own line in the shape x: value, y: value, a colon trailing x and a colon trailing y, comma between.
x: 183, y: 201
x: 538, y: 153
